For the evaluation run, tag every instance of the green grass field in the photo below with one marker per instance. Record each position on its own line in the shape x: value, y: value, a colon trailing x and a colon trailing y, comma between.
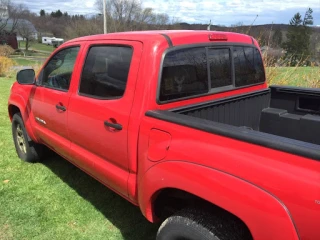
x: 26, y: 62
x: 294, y: 76
x: 55, y: 200
x: 37, y: 46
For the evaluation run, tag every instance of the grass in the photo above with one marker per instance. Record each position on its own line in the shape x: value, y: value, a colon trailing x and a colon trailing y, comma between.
x: 294, y: 76
x: 25, y: 61
x: 55, y: 200
x: 37, y: 46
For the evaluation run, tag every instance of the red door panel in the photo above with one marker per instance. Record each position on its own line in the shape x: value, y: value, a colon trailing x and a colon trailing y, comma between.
x: 51, y: 127
x: 98, y: 126
x: 50, y: 99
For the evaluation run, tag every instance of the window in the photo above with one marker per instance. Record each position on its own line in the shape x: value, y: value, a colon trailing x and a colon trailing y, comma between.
x: 57, y: 73
x: 220, y: 67
x: 190, y: 72
x: 248, y: 66
x: 105, y: 71
x: 184, y: 74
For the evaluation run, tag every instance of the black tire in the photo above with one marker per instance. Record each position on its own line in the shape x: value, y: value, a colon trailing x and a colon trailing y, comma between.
x: 27, y: 150
x: 194, y: 224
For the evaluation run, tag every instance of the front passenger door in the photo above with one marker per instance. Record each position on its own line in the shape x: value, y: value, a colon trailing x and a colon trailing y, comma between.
x: 51, y: 98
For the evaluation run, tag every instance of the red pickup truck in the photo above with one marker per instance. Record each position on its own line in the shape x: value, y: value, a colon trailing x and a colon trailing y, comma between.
x: 183, y: 125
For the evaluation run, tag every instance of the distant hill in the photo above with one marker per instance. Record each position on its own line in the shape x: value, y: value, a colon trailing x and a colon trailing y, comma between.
x: 262, y: 33
x: 242, y: 28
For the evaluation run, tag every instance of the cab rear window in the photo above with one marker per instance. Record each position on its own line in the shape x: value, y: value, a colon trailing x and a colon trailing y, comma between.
x: 197, y: 71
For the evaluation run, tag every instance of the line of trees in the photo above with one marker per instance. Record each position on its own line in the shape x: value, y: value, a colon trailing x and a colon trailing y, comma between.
x: 299, y: 34
x: 300, y: 42
x: 122, y: 15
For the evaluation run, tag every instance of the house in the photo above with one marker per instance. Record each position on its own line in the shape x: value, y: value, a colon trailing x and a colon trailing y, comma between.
x: 15, y: 27
x: 25, y: 27
x: 4, y: 12
x: 10, y: 39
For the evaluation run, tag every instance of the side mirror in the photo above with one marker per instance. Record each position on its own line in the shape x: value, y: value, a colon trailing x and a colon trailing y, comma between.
x: 26, y: 76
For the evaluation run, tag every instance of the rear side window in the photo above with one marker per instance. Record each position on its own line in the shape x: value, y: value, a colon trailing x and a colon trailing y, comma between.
x: 184, y: 74
x: 105, y: 72
x: 248, y: 66
x: 197, y: 71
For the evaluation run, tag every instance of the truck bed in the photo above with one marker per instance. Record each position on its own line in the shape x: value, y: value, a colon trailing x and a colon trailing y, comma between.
x: 283, y: 118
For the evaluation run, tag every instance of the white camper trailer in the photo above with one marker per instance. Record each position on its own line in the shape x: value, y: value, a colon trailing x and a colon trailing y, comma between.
x: 46, y: 40
x: 52, y: 41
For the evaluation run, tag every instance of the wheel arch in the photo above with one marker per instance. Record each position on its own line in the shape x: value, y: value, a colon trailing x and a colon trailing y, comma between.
x: 230, y: 193
x: 17, y: 104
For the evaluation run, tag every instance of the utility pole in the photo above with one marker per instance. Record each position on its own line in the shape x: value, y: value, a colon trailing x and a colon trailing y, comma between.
x: 104, y: 18
x: 209, y: 26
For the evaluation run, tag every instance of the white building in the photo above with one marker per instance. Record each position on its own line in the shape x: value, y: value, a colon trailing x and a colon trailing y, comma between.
x: 4, y: 12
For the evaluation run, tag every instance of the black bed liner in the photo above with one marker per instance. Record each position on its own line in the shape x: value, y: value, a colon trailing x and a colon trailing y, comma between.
x: 274, y: 118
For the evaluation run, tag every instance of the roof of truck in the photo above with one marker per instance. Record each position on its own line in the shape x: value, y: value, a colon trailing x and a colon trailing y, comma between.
x: 177, y: 37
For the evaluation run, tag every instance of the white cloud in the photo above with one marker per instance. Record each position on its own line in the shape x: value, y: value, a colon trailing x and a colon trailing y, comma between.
x: 90, y: 4
x: 227, y: 12
x: 223, y: 12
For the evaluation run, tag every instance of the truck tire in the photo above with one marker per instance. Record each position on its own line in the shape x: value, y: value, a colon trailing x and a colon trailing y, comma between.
x: 194, y: 224
x: 27, y: 150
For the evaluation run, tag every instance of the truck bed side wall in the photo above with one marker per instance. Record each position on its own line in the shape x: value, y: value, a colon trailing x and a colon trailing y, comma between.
x: 243, y: 110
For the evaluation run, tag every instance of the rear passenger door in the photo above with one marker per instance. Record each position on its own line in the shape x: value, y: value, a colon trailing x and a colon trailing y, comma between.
x: 99, y: 111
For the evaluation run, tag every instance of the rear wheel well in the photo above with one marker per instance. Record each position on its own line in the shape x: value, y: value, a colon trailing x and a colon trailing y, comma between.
x: 13, y: 110
x: 170, y: 201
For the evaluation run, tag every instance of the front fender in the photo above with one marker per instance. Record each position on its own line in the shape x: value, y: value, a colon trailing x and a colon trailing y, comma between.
x: 265, y: 215
x: 18, y: 101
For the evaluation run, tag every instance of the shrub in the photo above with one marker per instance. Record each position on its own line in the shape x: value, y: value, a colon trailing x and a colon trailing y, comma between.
x: 6, y: 50
x: 6, y: 65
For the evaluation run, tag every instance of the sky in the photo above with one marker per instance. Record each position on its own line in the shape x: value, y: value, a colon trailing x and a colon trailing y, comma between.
x: 220, y: 12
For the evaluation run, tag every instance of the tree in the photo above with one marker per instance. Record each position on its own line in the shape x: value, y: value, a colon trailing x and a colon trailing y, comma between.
x: 277, y: 38
x: 129, y: 15
x: 26, y: 31
x: 56, y: 14
x: 78, y: 27
x: 42, y: 13
x: 297, y: 45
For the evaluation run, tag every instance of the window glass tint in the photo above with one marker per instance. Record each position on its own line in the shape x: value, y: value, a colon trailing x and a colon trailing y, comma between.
x: 184, y: 74
x: 105, y: 71
x: 57, y: 73
x: 248, y: 66
x: 220, y: 67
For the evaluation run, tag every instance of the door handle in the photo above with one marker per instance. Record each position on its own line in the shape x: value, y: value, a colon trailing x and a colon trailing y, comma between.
x: 61, y: 108
x: 116, y: 126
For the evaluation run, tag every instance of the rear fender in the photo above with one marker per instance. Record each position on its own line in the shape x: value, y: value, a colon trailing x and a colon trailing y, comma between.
x: 265, y: 215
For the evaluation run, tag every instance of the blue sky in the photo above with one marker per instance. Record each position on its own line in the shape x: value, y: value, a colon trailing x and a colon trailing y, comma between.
x: 220, y: 12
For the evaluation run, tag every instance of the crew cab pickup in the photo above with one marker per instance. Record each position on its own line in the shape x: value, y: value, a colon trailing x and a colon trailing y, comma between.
x: 183, y: 125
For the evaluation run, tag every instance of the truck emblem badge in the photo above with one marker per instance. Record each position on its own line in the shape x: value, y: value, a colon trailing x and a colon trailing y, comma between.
x: 317, y: 201
x: 40, y: 120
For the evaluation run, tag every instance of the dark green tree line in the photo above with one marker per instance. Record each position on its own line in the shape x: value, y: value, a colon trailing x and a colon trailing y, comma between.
x: 299, y: 32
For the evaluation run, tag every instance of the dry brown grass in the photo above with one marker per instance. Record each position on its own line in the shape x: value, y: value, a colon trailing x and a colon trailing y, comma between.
x: 6, y: 50
x: 285, y: 74
x: 6, y: 65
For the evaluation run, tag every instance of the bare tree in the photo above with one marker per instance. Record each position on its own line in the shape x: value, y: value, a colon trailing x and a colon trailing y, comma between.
x: 16, y: 12
x: 129, y: 15
x: 83, y: 27
x: 26, y: 31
